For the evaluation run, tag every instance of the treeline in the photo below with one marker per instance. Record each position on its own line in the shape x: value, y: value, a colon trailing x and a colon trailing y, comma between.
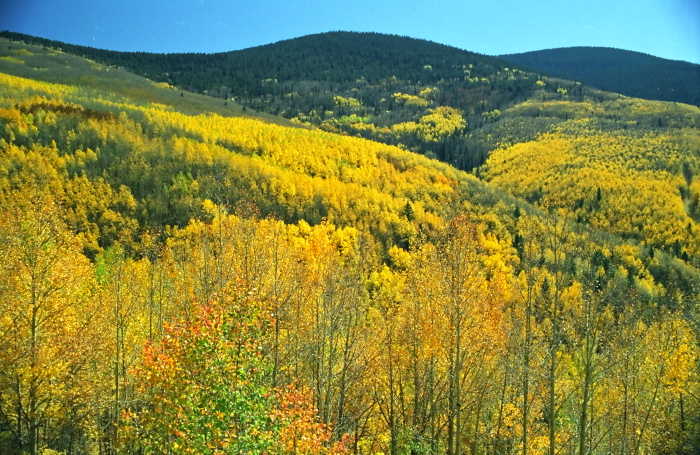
x: 336, y: 57
x: 180, y: 284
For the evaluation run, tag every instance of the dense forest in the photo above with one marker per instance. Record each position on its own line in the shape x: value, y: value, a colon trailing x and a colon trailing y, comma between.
x: 616, y: 70
x: 185, y: 277
x: 336, y: 58
x: 378, y: 86
x: 391, y: 89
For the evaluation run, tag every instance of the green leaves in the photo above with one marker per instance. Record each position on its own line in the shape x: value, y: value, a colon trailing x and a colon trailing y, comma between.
x: 206, y: 384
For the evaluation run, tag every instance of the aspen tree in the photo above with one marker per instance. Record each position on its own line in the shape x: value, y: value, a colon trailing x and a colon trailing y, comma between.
x: 52, y: 328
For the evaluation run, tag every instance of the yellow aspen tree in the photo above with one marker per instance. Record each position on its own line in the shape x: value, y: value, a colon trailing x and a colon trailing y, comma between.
x: 470, y: 294
x: 527, y: 286
x: 52, y: 333
x: 125, y: 295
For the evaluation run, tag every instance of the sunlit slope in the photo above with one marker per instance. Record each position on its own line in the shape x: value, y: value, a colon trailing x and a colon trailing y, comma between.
x: 628, y: 166
x: 125, y: 166
x: 426, y: 97
x: 51, y: 65
x: 621, y: 165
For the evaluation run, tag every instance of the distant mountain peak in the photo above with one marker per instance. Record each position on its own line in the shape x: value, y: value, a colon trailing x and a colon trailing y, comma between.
x: 629, y: 73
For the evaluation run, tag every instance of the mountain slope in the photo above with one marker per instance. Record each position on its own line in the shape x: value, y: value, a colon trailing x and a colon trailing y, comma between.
x: 615, y: 70
x: 429, y: 98
x: 54, y: 66
x: 426, y: 121
x: 336, y: 57
x: 382, y: 87
x: 447, y: 119
x: 146, y: 166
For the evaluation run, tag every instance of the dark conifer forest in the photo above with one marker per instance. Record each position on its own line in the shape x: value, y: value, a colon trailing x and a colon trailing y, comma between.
x: 629, y: 73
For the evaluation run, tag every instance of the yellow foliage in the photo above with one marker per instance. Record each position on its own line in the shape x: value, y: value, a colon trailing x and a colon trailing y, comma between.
x: 449, y: 307
x: 411, y: 100
x: 438, y: 123
x: 349, y: 102
x: 12, y: 59
x: 617, y: 183
x: 400, y: 258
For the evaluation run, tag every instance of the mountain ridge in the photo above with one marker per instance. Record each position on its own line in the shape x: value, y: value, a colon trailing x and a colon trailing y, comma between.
x: 621, y: 71
x: 430, y: 98
x: 611, y: 69
x: 355, y: 46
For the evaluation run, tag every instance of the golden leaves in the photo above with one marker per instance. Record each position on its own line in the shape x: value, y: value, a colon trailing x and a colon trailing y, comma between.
x: 614, y: 182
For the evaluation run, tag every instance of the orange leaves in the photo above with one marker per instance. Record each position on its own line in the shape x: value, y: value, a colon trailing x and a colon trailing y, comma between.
x: 300, y: 432
x: 208, y: 387
x: 208, y: 378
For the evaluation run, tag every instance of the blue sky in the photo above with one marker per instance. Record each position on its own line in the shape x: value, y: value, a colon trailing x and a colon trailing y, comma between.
x: 665, y: 28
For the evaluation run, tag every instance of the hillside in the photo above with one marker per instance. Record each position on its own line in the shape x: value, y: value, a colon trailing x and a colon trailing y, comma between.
x: 603, y: 171
x: 51, y: 65
x: 179, y: 279
x: 429, y: 98
x: 615, y: 70
x: 391, y: 89
x: 335, y: 57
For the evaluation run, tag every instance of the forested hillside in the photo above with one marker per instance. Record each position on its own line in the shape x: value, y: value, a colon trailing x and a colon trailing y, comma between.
x: 427, y: 97
x: 177, y: 281
x: 616, y: 70
x: 399, y: 90
x: 336, y: 58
